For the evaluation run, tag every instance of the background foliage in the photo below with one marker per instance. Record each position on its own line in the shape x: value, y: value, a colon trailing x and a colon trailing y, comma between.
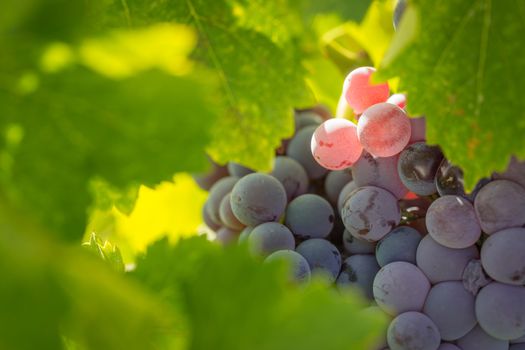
x: 102, y: 102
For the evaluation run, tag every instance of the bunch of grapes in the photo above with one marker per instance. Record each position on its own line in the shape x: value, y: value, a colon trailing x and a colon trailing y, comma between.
x: 372, y: 206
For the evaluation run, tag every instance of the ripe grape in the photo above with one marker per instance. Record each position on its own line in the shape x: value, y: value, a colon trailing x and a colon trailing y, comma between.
x: 322, y: 256
x: 400, y: 244
x: 334, y: 183
x: 217, y: 193
x: 417, y: 167
x: 451, y: 307
x: 383, y: 130
x: 399, y: 100
x: 270, y: 237
x: 258, y: 198
x: 413, y: 331
x: 226, y: 236
x: 359, y: 271
x: 345, y: 193
x: 226, y: 214
x: 400, y: 287
x: 310, y: 216
x: 238, y: 170
x: 500, y: 310
x: 452, y: 222
x: 500, y: 205
x: 370, y: 213
x: 208, y: 179
x: 478, y: 339
x: 245, y: 234
x: 360, y: 92
x: 299, y: 149
x: 449, y: 180
x: 292, y: 176
x: 515, y: 172
x: 354, y: 245
x: 300, y: 271
x: 335, y: 145
x: 306, y: 118
x: 440, y: 263
x: 212, y: 224
x: 380, y: 172
x: 503, y: 256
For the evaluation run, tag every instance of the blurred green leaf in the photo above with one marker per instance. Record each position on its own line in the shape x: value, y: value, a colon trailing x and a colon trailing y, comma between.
x: 465, y: 71
x: 234, y: 302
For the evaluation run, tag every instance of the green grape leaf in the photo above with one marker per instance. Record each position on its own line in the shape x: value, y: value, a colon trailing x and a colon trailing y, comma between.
x: 464, y: 69
x: 234, y: 302
x: 55, y: 296
x: 261, y: 78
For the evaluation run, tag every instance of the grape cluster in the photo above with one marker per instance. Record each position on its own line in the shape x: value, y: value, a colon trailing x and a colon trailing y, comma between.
x: 371, y: 206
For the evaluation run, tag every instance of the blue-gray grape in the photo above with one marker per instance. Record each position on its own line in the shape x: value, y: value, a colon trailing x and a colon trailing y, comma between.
x: 500, y: 205
x: 300, y: 271
x: 212, y: 224
x: 515, y: 172
x: 238, y: 170
x: 500, y: 310
x: 322, y: 256
x: 355, y: 245
x: 503, y: 256
x: 380, y: 172
x: 226, y: 236
x: 451, y: 307
x: 208, y: 179
x: 400, y: 244
x: 370, y: 213
x: 226, y: 214
x: 310, y: 216
x: 245, y: 234
x: 299, y: 149
x: 270, y: 237
x: 292, y: 176
x: 359, y: 271
x: 306, y: 118
x: 258, y: 198
x: 217, y: 193
x: 413, y: 331
x: 452, y: 222
x: 440, y: 263
x: 400, y: 287
x: 345, y: 193
x: 417, y: 167
x: 478, y: 339
x: 334, y: 183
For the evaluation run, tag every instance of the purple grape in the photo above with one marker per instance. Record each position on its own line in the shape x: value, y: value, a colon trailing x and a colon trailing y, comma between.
x: 355, y: 245
x: 270, y: 237
x: 217, y: 193
x: 500, y: 205
x: 503, y: 256
x: 451, y: 221
x: 306, y: 118
x: 359, y: 271
x: 208, y: 179
x: 310, y: 216
x: 322, y: 256
x: 212, y: 224
x: 440, y: 263
x: 258, y: 198
x: 226, y: 214
x: 380, y: 172
x: 299, y: 149
x: 451, y: 307
x: 398, y: 245
x: 417, y: 167
x: 334, y: 183
x: 370, y: 213
x: 226, y: 236
x: 238, y: 170
x: 413, y: 331
x: 345, y: 193
x: 500, y: 310
x: 474, y: 277
x: 292, y: 176
x: 245, y: 234
x: 400, y: 287
x: 478, y: 339
x: 449, y: 181
x: 515, y: 172
x: 448, y: 346
x: 300, y: 271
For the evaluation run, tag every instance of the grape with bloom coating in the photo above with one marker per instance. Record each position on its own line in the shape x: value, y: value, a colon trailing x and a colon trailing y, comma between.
x: 478, y: 339
x: 359, y: 270
x: 515, y: 172
x: 345, y: 194
x: 300, y: 271
x: 334, y: 183
x: 413, y: 331
x: 335, y: 145
x: 400, y: 244
x: 322, y: 256
x: 360, y: 93
x: 292, y: 175
x: 383, y: 130
x: 226, y: 236
x: 299, y: 149
x: 354, y: 245
x: 270, y: 237
x: 310, y: 216
x: 217, y: 193
x: 226, y: 214
x: 400, y: 287
x: 452, y: 222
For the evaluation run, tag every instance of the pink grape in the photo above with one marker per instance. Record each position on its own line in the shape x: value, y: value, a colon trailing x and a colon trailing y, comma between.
x: 399, y: 100
x: 384, y: 130
x: 360, y: 93
x: 335, y: 145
